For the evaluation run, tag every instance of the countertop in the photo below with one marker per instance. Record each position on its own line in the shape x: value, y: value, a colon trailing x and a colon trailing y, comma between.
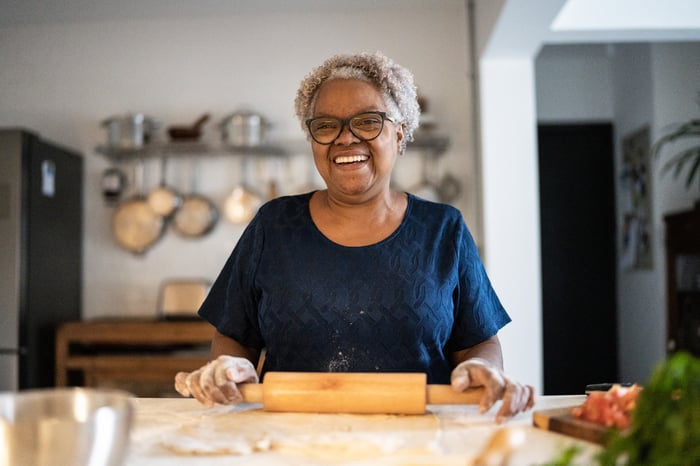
x: 179, y: 431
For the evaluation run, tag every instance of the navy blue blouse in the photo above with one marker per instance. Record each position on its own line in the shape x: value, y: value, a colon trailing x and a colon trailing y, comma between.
x: 400, y: 305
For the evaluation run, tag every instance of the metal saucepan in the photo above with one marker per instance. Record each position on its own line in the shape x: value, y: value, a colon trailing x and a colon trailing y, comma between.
x: 197, y: 215
x: 244, y: 129
x: 113, y: 184
x: 135, y: 226
x: 164, y: 200
x: 130, y: 131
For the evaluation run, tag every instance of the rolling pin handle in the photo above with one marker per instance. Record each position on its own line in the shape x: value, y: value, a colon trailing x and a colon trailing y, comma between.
x: 252, y: 392
x: 445, y: 395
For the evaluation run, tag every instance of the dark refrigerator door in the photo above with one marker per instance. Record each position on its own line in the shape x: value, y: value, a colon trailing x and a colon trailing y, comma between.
x: 10, y: 257
x: 52, y: 255
x: 9, y: 371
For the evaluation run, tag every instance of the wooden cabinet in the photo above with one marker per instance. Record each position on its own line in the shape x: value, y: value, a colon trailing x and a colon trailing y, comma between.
x: 139, y: 356
x: 683, y: 280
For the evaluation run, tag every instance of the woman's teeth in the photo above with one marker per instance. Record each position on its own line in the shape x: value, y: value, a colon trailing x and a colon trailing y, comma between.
x: 351, y: 159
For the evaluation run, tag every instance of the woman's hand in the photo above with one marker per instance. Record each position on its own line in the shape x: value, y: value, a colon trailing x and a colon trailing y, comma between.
x: 497, y: 385
x: 215, y: 382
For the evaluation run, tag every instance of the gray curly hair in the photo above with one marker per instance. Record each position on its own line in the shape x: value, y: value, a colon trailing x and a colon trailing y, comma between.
x: 393, y: 81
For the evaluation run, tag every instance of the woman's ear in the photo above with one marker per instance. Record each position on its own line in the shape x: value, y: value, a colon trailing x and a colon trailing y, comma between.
x: 399, y: 137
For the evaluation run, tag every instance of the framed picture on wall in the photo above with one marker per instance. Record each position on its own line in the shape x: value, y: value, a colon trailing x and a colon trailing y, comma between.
x: 636, y: 186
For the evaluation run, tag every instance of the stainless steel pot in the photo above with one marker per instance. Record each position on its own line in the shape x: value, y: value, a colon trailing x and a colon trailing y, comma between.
x: 130, y: 131
x: 71, y: 426
x: 244, y: 129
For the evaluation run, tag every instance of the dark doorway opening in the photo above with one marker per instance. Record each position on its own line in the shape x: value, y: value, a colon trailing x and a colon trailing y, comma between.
x: 577, y: 208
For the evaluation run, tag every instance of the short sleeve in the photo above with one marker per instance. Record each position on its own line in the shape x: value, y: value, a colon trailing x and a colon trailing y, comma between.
x: 232, y: 303
x: 479, y: 314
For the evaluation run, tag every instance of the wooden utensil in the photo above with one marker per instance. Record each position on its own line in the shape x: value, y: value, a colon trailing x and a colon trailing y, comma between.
x: 352, y: 392
x: 500, y: 447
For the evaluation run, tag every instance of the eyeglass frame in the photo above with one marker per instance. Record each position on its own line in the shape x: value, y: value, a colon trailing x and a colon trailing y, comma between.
x: 346, y: 121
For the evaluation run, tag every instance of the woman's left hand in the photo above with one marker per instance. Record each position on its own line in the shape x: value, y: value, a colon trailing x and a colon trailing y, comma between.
x: 475, y: 372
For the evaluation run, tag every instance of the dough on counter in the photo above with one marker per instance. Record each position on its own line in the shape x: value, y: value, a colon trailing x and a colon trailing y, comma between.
x: 190, y: 440
x: 327, y: 437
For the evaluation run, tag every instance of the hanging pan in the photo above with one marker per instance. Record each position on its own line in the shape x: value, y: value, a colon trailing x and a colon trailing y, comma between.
x: 241, y: 205
x: 163, y: 199
x: 136, y: 227
x: 197, y: 215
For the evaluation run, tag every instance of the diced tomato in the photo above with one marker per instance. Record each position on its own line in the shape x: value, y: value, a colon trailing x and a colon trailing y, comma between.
x: 610, y: 409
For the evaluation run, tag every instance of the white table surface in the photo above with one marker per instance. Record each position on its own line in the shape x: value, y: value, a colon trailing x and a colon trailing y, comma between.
x: 167, y: 431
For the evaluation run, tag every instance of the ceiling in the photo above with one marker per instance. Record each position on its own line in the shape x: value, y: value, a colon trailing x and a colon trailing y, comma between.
x: 525, y: 25
x: 607, y: 15
x: 18, y: 12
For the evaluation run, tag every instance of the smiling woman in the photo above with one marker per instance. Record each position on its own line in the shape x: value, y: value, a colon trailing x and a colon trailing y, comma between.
x: 355, y: 169
x: 357, y: 277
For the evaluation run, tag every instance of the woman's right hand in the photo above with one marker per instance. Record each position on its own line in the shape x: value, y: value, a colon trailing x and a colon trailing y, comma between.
x: 215, y: 382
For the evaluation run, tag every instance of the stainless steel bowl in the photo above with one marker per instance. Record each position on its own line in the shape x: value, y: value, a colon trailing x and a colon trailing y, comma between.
x: 72, y: 426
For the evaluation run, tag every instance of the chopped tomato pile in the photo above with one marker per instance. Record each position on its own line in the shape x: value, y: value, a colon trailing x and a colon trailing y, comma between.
x: 612, y: 408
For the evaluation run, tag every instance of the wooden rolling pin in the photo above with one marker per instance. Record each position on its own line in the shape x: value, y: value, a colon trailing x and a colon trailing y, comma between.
x: 352, y: 392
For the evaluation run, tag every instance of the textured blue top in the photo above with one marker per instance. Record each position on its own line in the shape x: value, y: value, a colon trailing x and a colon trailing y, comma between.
x: 400, y: 305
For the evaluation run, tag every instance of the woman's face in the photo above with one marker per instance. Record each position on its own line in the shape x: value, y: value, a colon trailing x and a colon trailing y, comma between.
x: 355, y: 170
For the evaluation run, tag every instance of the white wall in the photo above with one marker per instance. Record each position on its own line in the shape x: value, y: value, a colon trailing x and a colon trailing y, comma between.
x: 675, y: 84
x: 574, y: 83
x: 632, y: 85
x: 655, y: 85
x: 511, y: 208
x: 641, y: 310
x: 508, y: 157
x: 61, y: 79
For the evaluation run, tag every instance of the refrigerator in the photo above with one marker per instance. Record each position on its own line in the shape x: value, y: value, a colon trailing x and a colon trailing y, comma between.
x: 41, y: 216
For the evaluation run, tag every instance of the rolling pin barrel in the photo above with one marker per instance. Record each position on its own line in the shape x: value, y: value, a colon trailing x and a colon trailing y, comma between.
x: 361, y: 393
x: 348, y: 392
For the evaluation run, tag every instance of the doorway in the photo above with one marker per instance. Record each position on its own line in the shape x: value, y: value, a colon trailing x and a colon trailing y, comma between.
x: 577, y: 222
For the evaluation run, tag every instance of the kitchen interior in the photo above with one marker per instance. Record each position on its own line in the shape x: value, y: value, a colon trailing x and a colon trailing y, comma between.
x: 215, y: 83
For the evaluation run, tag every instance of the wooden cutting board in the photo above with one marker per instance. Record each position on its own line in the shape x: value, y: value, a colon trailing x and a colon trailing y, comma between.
x: 562, y: 421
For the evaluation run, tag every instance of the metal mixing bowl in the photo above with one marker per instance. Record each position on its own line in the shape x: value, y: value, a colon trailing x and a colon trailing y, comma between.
x: 71, y: 426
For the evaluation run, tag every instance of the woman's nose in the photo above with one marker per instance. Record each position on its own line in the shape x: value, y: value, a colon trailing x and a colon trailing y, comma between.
x: 346, y: 136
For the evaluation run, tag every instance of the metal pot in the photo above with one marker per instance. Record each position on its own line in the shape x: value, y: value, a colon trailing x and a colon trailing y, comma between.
x: 76, y: 426
x: 244, y: 129
x: 113, y: 184
x: 131, y: 131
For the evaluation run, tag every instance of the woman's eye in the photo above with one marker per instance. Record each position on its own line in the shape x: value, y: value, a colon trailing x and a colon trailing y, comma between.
x: 325, y: 125
x: 367, y: 122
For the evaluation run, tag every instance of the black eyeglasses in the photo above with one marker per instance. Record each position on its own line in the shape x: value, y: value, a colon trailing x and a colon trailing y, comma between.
x: 364, y: 126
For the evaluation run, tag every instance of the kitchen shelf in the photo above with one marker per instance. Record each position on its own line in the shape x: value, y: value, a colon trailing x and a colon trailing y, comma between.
x: 434, y: 145
x: 188, y: 149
